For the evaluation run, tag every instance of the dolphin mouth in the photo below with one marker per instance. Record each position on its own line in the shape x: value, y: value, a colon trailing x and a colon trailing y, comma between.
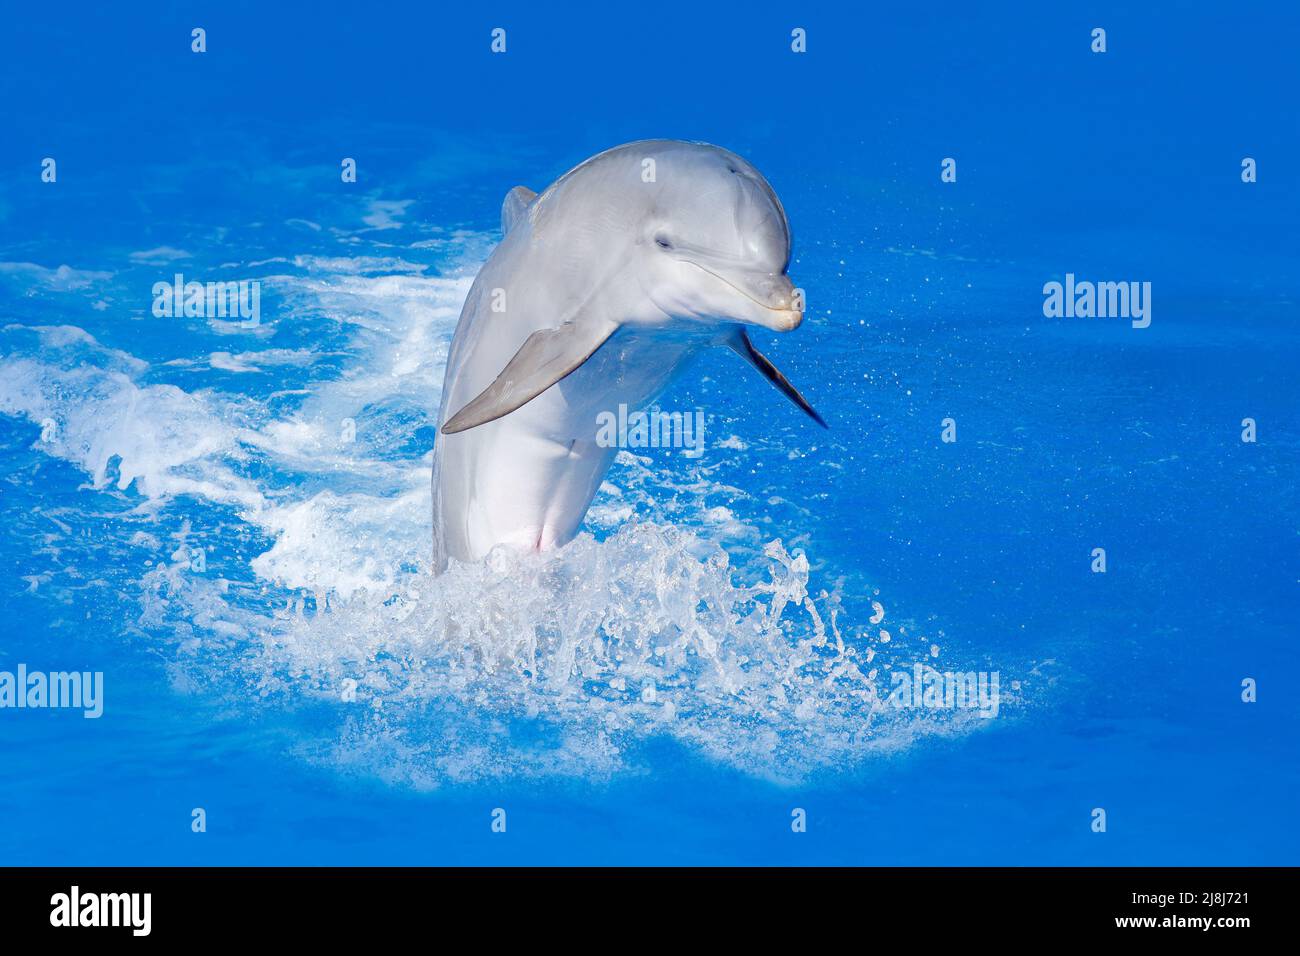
x: 772, y: 293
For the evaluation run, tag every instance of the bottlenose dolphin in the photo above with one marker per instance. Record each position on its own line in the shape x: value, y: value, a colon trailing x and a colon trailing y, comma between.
x: 603, y: 287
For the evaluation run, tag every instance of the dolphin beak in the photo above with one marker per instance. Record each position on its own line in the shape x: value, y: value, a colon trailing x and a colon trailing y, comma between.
x: 774, y: 304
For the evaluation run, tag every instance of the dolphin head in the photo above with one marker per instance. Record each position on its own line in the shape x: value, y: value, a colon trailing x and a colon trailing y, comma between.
x: 714, y: 243
x: 698, y: 233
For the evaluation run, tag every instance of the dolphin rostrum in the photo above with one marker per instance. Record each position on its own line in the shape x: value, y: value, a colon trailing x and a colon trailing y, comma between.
x: 603, y: 287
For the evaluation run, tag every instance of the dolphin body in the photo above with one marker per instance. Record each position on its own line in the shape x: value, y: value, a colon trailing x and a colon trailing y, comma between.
x: 603, y: 288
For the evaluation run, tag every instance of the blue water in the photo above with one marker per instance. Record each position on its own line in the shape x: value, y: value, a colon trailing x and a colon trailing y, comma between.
x: 755, y: 585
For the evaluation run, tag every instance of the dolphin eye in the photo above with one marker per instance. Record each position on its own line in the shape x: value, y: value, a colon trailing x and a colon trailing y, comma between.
x: 663, y: 243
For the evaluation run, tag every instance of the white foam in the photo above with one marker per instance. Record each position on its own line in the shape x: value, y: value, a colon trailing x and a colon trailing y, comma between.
x: 63, y: 278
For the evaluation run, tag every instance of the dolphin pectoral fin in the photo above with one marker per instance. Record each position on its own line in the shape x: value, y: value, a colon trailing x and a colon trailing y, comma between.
x: 545, y: 357
x: 516, y: 204
x: 740, y: 344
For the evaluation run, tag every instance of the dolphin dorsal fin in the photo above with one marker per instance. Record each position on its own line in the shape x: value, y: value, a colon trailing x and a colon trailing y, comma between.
x: 516, y: 204
x: 546, y: 356
x: 740, y: 344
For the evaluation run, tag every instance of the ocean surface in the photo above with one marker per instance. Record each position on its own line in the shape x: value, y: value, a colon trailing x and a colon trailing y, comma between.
x: 231, y: 520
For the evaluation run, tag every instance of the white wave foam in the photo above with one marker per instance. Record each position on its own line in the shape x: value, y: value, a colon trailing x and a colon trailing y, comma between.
x: 327, y: 449
x: 64, y: 278
x: 571, y: 662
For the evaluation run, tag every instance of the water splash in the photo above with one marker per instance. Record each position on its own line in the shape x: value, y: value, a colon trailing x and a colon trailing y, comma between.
x: 570, y: 663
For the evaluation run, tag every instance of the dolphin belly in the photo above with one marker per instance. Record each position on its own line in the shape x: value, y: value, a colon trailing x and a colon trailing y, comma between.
x: 518, y: 485
x: 527, y: 480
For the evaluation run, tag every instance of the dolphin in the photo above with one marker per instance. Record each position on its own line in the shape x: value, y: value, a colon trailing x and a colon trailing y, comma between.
x: 602, y: 289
